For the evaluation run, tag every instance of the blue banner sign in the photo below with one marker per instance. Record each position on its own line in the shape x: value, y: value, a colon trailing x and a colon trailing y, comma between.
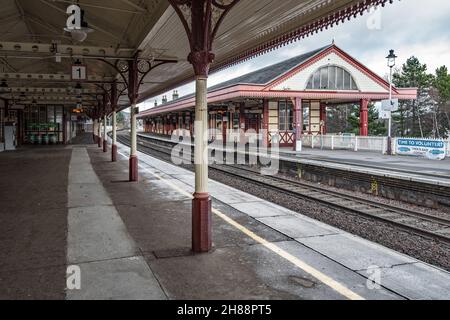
x: 431, y: 149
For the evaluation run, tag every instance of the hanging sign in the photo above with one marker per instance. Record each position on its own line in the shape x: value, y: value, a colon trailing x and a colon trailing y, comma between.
x: 389, y: 105
x: 431, y: 149
x: 79, y: 72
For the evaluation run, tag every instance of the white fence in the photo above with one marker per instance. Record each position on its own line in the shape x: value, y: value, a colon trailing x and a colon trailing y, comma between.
x: 354, y: 143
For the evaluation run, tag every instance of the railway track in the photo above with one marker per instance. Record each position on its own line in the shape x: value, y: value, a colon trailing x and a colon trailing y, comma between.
x: 426, y: 225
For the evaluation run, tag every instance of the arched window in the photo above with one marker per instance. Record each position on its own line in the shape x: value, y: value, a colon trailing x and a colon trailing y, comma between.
x: 331, y: 78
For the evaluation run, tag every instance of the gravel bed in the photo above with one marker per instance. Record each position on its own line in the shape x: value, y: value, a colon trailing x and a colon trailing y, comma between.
x: 395, y: 203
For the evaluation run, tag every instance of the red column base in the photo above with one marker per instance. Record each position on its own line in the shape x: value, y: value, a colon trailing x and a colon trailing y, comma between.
x: 134, y: 173
x: 114, y: 153
x: 105, y: 146
x: 100, y: 142
x: 201, y: 223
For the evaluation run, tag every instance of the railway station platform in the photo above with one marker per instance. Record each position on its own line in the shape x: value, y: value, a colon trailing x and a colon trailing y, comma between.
x: 416, y: 181
x: 70, y: 206
x: 364, y: 160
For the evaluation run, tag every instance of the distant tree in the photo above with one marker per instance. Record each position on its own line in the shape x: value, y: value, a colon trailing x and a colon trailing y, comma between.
x: 376, y: 126
x: 441, y: 94
x: 408, y: 119
x: 120, y: 118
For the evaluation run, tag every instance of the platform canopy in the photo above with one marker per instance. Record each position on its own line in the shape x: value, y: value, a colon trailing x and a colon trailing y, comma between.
x: 33, y: 40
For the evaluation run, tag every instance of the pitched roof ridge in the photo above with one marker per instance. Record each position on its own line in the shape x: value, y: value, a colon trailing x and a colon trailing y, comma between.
x: 305, y: 56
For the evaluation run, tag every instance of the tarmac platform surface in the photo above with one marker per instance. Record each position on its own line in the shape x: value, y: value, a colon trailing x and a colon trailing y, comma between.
x: 132, y: 240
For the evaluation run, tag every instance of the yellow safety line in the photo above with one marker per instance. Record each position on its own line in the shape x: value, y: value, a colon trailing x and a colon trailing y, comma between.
x: 338, y: 287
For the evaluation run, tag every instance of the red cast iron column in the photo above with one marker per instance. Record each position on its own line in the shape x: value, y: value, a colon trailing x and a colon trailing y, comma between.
x: 265, y: 123
x: 201, y: 28
x: 364, y: 118
x: 323, y: 117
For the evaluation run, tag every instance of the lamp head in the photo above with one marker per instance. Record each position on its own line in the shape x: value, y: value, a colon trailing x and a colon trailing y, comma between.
x: 391, y: 58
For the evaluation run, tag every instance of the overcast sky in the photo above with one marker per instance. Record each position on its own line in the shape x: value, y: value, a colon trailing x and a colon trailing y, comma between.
x: 411, y: 27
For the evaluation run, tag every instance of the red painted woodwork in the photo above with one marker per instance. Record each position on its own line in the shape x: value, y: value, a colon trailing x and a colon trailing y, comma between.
x: 134, y: 173
x: 265, y: 125
x: 323, y: 117
x: 364, y: 118
x: 114, y: 153
x: 201, y: 223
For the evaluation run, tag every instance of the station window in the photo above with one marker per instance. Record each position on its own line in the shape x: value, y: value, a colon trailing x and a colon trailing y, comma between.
x: 43, y: 121
x: 219, y: 123
x: 306, y: 108
x: 286, y: 115
x: 236, y: 116
x: 331, y: 78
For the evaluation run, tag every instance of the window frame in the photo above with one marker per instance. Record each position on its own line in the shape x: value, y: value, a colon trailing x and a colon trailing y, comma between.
x: 285, y: 116
x: 319, y: 76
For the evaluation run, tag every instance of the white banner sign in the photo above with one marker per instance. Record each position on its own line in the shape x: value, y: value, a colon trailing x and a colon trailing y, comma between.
x: 431, y: 149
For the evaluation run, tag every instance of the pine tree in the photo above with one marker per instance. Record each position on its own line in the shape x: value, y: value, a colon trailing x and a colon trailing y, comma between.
x: 441, y: 93
x: 409, y: 118
x: 376, y: 127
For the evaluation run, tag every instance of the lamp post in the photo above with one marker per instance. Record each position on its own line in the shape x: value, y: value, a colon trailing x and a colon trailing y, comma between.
x: 391, y: 64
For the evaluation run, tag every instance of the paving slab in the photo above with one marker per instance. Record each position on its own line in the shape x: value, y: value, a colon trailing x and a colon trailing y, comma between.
x: 97, y: 233
x: 297, y: 227
x: 355, y: 253
x: 231, y: 197
x: 120, y: 279
x: 418, y: 281
x: 261, y: 209
x: 87, y: 195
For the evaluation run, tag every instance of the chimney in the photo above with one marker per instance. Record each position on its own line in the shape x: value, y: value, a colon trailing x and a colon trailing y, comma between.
x: 175, y: 95
x: 164, y: 99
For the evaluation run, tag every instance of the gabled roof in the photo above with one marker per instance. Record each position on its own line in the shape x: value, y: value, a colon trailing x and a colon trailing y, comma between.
x: 261, y: 83
x: 262, y: 76
x: 271, y: 73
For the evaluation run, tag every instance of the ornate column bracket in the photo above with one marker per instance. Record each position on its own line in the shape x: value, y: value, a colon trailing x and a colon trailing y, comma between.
x: 141, y: 66
x: 201, y: 20
x: 113, y: 92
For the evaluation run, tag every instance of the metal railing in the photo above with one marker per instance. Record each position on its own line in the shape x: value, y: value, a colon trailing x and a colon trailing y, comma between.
x: 355, y: 143
x: 346, y: 142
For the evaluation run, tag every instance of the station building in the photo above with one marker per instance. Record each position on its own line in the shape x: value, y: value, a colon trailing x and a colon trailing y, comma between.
x: 277, y: 98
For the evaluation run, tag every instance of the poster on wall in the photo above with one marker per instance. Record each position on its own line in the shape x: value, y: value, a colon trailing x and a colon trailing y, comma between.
x: 431, y: 149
